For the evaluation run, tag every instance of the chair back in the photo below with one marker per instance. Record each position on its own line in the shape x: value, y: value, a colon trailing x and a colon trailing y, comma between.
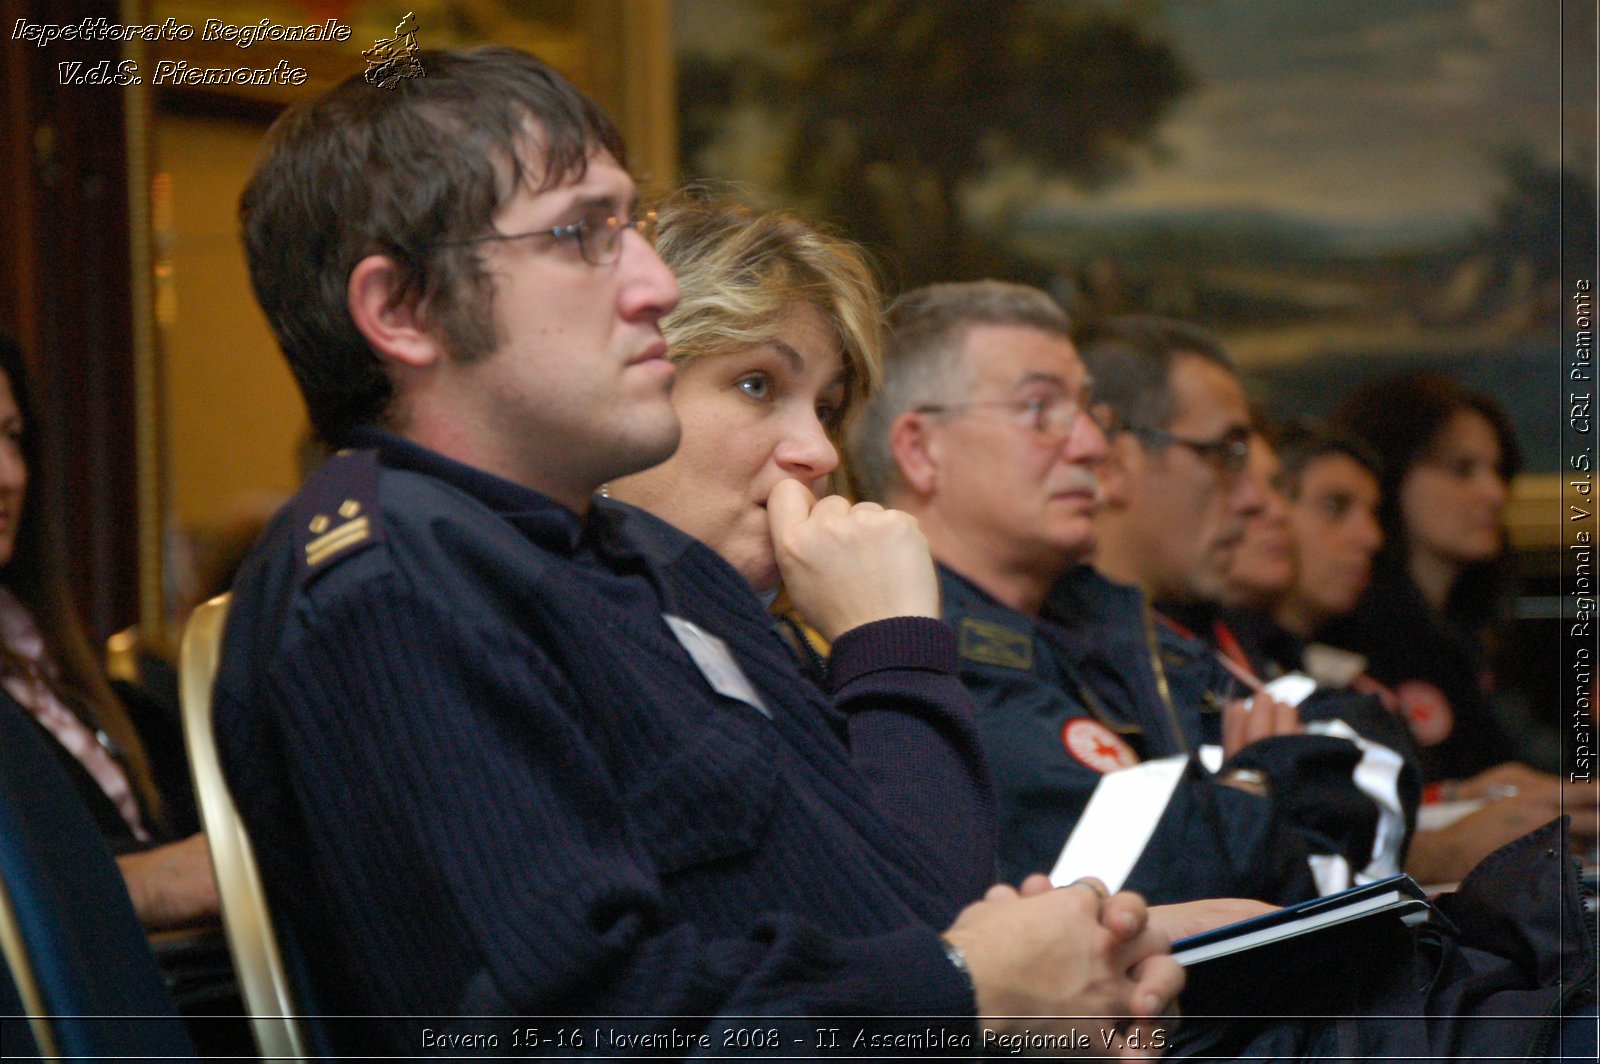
x: 79, y: 963
x: 17, y: 1041
x: 264, y: 980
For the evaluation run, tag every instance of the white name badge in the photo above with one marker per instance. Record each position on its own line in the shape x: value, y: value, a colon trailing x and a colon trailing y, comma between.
x: 715, y: 662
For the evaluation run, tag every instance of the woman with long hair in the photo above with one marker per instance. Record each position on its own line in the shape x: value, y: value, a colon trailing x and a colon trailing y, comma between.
x: 1446, y: 457
x: 49, y: 672
x: 777, y: 340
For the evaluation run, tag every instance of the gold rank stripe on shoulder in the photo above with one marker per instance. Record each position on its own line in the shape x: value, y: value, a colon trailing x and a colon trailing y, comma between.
x: 332, y: 542
x: 995, y: 644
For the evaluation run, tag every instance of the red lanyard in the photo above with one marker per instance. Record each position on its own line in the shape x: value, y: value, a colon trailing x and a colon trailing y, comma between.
x: 1229, y: 653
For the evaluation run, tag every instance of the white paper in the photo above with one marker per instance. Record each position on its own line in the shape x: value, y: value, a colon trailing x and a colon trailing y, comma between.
x: 1117, y: 824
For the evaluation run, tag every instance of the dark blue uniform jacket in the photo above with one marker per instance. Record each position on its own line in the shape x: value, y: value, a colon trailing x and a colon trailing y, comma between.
x: 1097, y: 684
x: 485, y: 779
x: 1487, y: 979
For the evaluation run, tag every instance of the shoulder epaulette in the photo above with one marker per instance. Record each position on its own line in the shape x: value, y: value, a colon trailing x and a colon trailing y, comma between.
x: 336, y: 513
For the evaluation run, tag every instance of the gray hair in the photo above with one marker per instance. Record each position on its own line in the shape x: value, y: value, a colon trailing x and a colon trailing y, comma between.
x: 924, y: 363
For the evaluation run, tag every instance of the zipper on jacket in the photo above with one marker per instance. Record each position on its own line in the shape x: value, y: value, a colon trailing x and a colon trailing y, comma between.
x: 1162, y: 687
x: 1540, y: 1048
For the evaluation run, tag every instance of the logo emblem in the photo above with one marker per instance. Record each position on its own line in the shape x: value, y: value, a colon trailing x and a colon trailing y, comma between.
x: 1426, y: 711
x: 1096, y: 745
x: 995, y: 644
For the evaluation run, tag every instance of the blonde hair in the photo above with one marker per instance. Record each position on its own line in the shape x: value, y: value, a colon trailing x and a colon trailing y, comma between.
x: 742, y: 271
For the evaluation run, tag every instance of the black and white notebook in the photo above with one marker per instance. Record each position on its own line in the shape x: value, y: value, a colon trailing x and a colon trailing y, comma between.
x: 1261, y: 966
x: 1393, y: 898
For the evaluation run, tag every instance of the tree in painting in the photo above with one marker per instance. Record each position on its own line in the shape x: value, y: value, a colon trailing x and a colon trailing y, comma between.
x: 896, y: 110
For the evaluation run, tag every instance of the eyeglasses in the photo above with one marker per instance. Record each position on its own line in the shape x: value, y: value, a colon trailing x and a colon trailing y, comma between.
x: 1053, y: 416
x: 598, y: 234
x: 1230, y: 452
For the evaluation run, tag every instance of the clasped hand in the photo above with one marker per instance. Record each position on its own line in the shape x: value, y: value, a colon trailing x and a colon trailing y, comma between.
x: 1054, y: 960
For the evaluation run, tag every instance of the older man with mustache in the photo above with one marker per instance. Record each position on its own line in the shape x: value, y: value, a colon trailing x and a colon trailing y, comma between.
x: 992, y: 430
x: 987, y: 430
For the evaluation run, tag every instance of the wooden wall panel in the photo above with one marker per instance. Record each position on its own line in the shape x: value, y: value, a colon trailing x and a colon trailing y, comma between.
x: 65, y: 293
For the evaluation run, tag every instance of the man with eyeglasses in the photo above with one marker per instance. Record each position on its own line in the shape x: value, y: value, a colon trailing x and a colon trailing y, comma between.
x: 992, y: 431
x: 1180, y: 489
x: 1177, y: 497
x: 987, y: 427
x: 510, y: 753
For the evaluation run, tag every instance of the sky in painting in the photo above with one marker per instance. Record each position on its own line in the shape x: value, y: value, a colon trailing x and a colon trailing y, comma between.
x: 1359, y: 113
x: 1346, y: 110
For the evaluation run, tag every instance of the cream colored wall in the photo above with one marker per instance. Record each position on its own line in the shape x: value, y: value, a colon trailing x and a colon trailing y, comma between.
x: 233, y: 415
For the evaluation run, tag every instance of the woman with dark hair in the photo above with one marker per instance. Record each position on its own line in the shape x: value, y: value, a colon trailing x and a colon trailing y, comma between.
x: 49, y: 672
x: 777, y: 339
x: 1446, y: 458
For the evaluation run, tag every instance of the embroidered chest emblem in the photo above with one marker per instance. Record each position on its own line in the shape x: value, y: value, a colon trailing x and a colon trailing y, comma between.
x: 995, y: 644
x: 1426, y: 711
x: 1096, y: 745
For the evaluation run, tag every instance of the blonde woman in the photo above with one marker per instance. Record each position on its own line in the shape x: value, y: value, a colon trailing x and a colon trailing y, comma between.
x: 777, y: 339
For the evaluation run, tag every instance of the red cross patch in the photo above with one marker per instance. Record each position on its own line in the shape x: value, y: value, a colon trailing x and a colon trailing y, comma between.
x: 1426, y: 710
x: 1096, y: 745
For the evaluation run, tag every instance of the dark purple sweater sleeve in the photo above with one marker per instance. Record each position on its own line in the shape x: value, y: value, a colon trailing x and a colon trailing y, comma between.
x: 914, y: 739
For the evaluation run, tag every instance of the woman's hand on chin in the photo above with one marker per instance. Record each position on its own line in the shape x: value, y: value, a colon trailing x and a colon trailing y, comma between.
x: 845, y: 566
